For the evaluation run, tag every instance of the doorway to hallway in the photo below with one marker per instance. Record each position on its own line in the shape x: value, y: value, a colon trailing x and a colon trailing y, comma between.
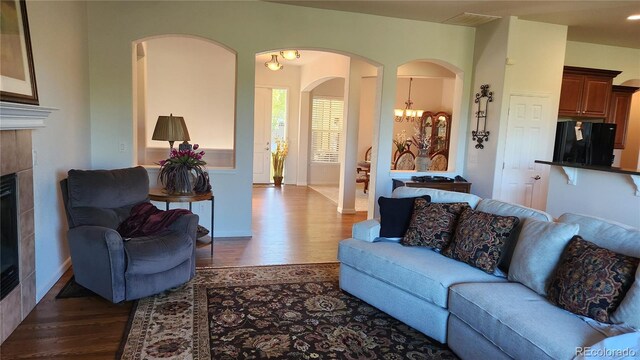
x: 270, y: 121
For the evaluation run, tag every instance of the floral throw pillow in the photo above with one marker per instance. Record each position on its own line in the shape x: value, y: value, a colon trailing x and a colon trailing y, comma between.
x: 590, y: 280
x: 432, y: 224
x: 479, y: 239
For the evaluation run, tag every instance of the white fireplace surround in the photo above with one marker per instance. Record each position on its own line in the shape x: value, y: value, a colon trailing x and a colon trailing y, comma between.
x: 15, y: 116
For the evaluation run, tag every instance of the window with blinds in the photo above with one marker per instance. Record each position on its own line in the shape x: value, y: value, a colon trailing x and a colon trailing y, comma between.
x: 326, y: 129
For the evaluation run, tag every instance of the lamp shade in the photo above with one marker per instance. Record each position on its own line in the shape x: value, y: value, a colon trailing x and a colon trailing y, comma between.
x: 171, y: 128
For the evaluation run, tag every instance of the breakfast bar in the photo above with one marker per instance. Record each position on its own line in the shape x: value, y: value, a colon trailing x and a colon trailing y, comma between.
x: 590, y: 188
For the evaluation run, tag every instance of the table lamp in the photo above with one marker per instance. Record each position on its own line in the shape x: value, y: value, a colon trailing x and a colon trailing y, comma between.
x: 171, y: 128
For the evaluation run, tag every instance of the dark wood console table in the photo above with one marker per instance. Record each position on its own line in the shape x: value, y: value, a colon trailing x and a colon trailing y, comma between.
x: 458, y: 186
x: 160, y: 195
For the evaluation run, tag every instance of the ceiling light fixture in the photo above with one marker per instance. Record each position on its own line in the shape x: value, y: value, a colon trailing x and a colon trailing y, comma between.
x: 634, y: 17
x: 273, y: 64
x: 290, y: 54
x: 408, y: 113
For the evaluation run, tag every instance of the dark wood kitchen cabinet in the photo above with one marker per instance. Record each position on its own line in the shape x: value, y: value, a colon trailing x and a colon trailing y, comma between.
x: 619, y: 109
x: 585, y: 92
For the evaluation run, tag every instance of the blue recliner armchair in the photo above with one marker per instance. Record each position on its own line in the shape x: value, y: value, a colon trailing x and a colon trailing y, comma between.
x: 97, y: 201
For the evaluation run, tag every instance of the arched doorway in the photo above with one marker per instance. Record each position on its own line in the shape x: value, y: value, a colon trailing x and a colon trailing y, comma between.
x: 321, y: 77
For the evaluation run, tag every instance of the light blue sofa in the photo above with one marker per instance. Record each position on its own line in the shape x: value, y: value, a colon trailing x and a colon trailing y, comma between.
x: 479, y: 315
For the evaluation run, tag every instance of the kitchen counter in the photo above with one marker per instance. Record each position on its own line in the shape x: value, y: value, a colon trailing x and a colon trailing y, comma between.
x: 606, y: 192
x: 610, y: 169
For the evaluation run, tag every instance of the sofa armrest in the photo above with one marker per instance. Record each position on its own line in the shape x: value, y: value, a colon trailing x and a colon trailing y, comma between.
x: 367, y: 230
x: 626, y: 345
x: 98, y: 258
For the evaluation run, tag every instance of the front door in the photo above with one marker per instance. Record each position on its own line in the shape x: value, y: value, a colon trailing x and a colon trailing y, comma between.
x: 262, y: 137
x: 523, y: 181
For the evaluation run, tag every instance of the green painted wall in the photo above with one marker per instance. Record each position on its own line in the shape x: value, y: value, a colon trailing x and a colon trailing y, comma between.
x: 249, y: 27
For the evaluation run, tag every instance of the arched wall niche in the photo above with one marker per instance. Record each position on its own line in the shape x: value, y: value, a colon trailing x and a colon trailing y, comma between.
x: 436, y: 87
x: 188, y: 76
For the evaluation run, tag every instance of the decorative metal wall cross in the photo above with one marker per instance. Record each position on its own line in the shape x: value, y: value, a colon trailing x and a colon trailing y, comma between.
x: 483, y: 98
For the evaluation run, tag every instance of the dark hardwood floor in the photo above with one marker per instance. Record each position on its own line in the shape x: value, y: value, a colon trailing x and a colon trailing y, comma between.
x: 292, y: 225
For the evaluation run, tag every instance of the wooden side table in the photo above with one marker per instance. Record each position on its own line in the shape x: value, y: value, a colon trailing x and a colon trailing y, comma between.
x: 458, y: 186
x: 160, y: 195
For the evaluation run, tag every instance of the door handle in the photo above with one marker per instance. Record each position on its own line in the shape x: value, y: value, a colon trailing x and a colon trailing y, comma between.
x: 537, y: 177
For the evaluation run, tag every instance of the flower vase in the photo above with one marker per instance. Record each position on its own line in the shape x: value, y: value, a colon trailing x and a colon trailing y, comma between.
x: 423, y: 161
x: 184, y: 181
x: 277, y: 181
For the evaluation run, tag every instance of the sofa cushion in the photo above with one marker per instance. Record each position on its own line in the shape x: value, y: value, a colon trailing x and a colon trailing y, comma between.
x: 520, y: 322
x: 437, y: 196
x: 622, y: 239
x: 416, y: 270
x: 479, y: 238
x: 538, y: 251
x: 395, y: 215
x: 591, y: 280
x: 433, y: 224
x: 157, y: 253
x: 507, y: 209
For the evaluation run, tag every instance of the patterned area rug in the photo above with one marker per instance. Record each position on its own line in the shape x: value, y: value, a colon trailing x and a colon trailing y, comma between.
x: 269, y: 312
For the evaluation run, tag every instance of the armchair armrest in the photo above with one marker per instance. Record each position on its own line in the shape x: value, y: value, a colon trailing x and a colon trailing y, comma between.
x: 367, y: 230
x: 186, y: 224
x: 98, y: 258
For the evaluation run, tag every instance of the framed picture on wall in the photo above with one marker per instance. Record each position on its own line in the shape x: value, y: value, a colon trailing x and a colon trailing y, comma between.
x: 18, y: 78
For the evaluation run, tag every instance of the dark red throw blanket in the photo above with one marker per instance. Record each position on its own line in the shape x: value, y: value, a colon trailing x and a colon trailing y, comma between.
x: 146, y: 219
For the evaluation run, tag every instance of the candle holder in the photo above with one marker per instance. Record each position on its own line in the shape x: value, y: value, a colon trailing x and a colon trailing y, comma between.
x: 483, y: 98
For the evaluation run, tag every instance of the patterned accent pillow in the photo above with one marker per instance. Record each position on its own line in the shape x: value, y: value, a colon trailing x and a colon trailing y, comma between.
x: 479, y: 239
x: 590, y: 280
x: 432, y: 224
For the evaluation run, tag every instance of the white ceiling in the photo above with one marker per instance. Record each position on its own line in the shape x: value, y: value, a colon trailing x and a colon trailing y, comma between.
x: 599, y: 22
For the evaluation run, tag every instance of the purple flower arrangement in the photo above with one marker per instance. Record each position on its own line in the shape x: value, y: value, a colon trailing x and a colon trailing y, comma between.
x: 184, y: 172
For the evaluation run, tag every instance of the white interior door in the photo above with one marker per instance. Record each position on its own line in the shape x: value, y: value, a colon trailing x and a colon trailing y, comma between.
x: 523, y: 181
x: 262, y: 137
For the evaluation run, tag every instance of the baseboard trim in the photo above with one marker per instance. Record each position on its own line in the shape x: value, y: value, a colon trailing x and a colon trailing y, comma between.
x: 41, y: 291
x: 232, y: 234
x: 346, y: 211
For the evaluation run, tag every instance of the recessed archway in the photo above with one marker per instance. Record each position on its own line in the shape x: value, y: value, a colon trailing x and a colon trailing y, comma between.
x: 186, y: 76
x: 434, y: 86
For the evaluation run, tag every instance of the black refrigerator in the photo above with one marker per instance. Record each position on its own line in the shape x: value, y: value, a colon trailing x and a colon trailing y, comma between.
x: 586, y: 143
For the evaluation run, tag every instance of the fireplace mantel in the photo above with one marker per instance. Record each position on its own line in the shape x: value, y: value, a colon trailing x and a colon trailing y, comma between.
x: 15, y: 116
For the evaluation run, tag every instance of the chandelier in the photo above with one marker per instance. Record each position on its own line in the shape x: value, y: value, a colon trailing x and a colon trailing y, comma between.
x: 408, y: 114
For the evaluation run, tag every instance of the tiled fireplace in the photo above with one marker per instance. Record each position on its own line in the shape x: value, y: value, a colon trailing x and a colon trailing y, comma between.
x: 15, y: 154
